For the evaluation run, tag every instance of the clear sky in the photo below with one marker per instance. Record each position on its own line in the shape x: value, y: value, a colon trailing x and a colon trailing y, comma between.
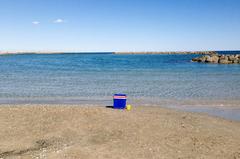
x: 119, y: 25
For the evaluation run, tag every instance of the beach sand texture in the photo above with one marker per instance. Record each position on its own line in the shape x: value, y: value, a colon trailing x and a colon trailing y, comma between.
x: 74, y: 132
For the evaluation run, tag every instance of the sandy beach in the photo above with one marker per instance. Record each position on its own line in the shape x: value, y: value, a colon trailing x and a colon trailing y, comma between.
x: 55, y: 132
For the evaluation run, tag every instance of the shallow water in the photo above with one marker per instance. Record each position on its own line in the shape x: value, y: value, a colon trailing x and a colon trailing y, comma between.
x: 93, y: 78
x: 232, y: 113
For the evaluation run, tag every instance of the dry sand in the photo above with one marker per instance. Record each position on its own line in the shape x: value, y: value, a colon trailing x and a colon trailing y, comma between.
x: 74, y: 132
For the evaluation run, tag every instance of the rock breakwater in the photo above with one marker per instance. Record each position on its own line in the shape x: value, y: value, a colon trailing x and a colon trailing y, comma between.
x: 170, y: 52
x: 218, y: 59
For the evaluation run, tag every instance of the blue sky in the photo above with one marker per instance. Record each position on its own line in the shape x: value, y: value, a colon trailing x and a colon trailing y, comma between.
x: 119, y: 25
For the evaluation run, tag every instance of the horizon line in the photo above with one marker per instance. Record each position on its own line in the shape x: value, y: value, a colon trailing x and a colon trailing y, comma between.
x: 113, y: 52
x: 39, y: 51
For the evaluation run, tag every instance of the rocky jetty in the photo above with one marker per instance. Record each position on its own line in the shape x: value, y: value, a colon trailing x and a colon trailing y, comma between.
x: 218, y: 59
x: 170, y: 52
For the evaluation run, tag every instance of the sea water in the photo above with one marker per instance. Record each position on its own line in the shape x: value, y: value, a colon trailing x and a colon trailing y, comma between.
x: 94, y: 78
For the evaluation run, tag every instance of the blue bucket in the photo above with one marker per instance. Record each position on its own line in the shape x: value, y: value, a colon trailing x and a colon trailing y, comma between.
x: 119, y: 101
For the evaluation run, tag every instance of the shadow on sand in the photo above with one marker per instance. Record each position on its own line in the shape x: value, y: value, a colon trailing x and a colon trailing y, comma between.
x: 109, y: 106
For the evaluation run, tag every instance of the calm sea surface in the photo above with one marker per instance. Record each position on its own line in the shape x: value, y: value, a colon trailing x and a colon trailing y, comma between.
x: 94, y: 78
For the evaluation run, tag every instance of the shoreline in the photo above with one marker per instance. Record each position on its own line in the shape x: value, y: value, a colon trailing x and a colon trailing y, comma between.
x: 33, y: 131
x: 227, y: 109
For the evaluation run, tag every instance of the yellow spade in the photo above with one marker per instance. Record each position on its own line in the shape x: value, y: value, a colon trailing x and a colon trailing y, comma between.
x: 128, y: 107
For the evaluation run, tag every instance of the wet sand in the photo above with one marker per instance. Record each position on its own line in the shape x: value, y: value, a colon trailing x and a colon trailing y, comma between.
x: 53, y: 131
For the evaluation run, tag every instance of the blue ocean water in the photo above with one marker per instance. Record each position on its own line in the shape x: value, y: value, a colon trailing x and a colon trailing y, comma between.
x: 88, y: 78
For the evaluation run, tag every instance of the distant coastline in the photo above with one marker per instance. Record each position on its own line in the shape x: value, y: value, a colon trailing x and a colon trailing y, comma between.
x: 170, y: 52
x: 130, y: 52
x: 120, y: 52
x: 50, y: 52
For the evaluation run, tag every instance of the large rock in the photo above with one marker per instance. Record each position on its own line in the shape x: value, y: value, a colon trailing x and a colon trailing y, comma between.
x: 195, y: 59
x: 222, y: 57
x: 208, y: 58
x: 231, y: 58
x: 215, y: 59
x: 236, y: 61
x: 202, y: 59
x: 212, y: 58
x: 224, y: 61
